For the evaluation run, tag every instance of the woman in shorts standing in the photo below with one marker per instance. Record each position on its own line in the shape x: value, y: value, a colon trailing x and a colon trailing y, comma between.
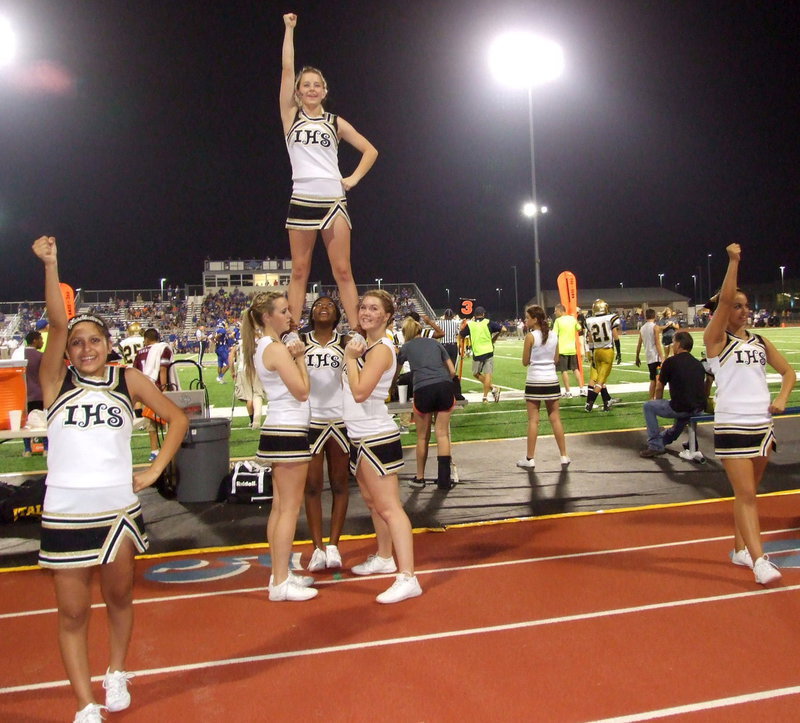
x: 743, y: 431
x: 92, y: 517
x: 375, y: 450
x: 539, y: 354
x: 284, y: 433
x: 327, y: 434
x: 432, y: 381
x: 318, y: 202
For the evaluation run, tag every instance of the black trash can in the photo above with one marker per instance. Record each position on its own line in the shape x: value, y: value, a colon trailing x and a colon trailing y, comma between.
x: 203, y: 460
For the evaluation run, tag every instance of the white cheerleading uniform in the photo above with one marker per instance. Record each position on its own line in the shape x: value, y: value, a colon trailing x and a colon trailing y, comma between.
x: 371, y: 416
x: 90, y: 507
x: 282, y: 409
x: 313, y: 145
x: 541, y: 381
x: 284, y: 433
x: 740, y: 375
x: 89, y: 428
x: 325, y: 363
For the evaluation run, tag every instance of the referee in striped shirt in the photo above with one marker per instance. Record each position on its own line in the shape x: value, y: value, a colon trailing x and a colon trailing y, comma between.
x: 450, y: 327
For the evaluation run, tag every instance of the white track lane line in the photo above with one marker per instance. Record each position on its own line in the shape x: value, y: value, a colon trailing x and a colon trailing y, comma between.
x: 523, y: 625
x: 704, y: 705
x: 455, y: 568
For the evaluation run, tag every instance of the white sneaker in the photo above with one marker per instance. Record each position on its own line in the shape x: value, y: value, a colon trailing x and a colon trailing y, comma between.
x: 526, y: 463
x: 765, y: 571
x: 90, y: 714
x: 301, y: 580
x: 375, y: 565
x: 290, y: 590
x: 317, y: 561
x: 565, y: 461
x: 742, y: 557
x: 496, y: 394
x: 404, y: 587
x: 333, y: 558
x: 116, y: 685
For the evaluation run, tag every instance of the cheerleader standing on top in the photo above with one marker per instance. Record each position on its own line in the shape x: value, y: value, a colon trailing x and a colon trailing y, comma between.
x: 284, y: 434
x: 743, y: 432
x: 318, y: 202
x: 375, y: 450
x: 92, y: 517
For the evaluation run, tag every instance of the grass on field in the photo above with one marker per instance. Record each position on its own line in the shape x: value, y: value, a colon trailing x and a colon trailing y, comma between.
x: 506, y: 419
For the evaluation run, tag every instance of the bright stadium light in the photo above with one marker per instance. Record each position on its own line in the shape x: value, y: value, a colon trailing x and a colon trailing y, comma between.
x: 8, y: 42
x: 523, y: 60
x: 530, y: 210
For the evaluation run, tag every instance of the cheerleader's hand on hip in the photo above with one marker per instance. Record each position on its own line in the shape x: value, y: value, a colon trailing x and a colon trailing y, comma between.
x: 144, y: 479
x: 778, y: 406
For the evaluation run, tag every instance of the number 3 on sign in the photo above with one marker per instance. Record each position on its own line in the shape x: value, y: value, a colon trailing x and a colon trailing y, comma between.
x: 467, y: 306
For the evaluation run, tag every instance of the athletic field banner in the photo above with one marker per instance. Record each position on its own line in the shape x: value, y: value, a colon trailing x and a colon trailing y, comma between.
x: 568, y: 291
x: 69, y: 299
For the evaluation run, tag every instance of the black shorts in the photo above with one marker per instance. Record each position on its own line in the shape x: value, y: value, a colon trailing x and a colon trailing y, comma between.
x: 567, y: 363
x: 438, y: 397
x: 654, y: 367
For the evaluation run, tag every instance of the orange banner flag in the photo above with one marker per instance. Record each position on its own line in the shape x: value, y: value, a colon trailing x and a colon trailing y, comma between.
x: 69, y: 299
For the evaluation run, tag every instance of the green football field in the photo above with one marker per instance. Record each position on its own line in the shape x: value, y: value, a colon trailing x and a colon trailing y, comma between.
x: 506, y: 419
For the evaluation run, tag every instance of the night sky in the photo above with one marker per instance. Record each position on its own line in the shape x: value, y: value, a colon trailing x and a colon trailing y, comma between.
x: 146, y: 136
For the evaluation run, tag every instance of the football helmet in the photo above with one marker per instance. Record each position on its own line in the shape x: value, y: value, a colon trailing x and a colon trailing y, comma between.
x: 599, y: 307
x: 135, y: 329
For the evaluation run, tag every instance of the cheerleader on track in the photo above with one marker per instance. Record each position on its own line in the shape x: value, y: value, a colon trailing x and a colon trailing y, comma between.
x: 284, y: 434
x: 375, y: 450
x: 327, y: 433
x: 91, y: 515
x: 318, y: 200
x: 743, y: 432
x: 539, y: 354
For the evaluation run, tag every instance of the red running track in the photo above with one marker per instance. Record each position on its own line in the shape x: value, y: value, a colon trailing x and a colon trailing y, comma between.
x: 627, y: 616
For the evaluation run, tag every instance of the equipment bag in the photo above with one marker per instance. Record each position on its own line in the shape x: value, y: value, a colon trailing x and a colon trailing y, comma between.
x: 248, y: 482
x: 19, y: 503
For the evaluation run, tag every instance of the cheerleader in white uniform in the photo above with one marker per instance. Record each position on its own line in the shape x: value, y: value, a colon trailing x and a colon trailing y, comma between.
x: 284, y: 434
x: 375, y: 450
x: 91, y: 516
x: 743, y: 433
x: 327, y: 432
x: 318, y: 195
x: 539, y: 354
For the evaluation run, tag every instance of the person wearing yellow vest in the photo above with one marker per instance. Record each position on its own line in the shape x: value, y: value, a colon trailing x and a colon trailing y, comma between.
x: 566, y: 328
x: 482, y: 334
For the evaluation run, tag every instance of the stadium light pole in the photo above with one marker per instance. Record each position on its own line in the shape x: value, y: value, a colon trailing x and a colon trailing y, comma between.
x: 782, y: 268
x: 448, y: 297
x: 498, y: 290
x: 524, y: 60
x: 8, y: 42
x: 378, y: 282
x: 708, y: 261
x: 694, y: 281
x: 661, y: 280
x: 516, y: 294
x: 162, y: 288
